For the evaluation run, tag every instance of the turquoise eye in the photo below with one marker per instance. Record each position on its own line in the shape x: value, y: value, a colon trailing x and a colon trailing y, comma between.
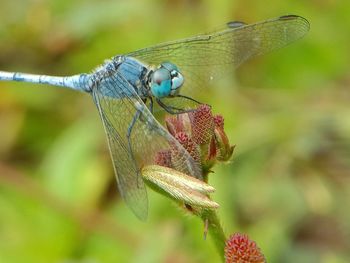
x: 166, y: 80
x: 161, y: 83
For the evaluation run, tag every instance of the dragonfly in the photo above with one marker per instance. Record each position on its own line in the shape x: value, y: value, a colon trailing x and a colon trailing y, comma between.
x: 125, y: 87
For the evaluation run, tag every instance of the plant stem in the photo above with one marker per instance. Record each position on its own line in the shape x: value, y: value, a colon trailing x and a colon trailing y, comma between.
x: 211, y: 220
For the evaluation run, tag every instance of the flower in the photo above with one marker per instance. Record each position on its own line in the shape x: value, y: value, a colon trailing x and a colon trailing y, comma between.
x: 240, y: 249
x: 202, y: 135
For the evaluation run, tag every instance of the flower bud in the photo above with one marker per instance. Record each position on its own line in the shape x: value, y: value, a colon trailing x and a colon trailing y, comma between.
x: 224, y: 149
x: 179, y: 186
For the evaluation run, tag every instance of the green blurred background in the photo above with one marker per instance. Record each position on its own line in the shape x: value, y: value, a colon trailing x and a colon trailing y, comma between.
x: 288, y: 185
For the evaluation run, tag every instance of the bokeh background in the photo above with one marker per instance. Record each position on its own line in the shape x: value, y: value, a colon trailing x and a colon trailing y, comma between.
x: 288, y: 185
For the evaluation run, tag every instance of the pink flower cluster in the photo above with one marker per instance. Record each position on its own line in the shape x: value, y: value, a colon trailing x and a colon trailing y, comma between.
x: 202, y: 134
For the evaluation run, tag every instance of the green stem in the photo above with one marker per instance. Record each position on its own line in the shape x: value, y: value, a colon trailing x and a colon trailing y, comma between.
x: 215, y: 230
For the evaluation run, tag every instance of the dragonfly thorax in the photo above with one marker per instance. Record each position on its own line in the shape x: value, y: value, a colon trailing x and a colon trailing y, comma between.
x: 165, y: 81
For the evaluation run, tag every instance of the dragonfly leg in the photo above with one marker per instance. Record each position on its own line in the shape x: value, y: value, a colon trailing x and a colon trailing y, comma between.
x: 151, y: 104
x: 189, y: 98
x: 150, y: 107
x: 170, y: 109
x: 174, y: 110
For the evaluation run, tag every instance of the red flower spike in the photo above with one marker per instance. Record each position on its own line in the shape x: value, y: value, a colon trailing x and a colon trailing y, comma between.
x: 188, y: 144
x: 240, y: 249
x: 202, y: 124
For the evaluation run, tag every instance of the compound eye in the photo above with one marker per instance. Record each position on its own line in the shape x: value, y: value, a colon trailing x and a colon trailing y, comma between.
x: 176, y: 77
x: 161, y: 83
x: 160, y: 75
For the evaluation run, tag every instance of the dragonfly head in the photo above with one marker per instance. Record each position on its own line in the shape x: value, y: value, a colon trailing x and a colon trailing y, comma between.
x: 166, y: 80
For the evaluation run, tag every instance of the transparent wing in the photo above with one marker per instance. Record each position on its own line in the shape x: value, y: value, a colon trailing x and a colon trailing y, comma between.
x: 203, y: 58
x: 119, y: 106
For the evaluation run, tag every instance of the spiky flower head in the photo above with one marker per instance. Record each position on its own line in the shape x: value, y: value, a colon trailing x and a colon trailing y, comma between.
x: 202, y: 135
x: 240, y: 249
x: 202, y: 124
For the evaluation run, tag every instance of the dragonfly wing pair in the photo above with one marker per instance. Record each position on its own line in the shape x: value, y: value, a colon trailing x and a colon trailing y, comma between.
x: 135, y: 138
